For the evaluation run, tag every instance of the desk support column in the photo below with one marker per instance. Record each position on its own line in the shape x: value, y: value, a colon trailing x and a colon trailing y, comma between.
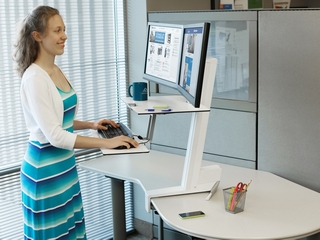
x: 160, y: 229
x: 118, y: 209
x: 152, y: 120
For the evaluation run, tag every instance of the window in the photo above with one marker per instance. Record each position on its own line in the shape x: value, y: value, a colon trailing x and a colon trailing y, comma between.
x: 95, y: 62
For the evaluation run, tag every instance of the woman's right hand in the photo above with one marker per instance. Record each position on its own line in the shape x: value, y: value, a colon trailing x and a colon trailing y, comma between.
x: 121, y: 141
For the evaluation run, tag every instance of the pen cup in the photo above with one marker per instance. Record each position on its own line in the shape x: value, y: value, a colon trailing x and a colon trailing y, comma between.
x: 234, y: 202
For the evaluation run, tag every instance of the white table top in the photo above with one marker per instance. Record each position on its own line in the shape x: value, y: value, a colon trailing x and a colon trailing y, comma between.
x: 275, y: 208
x: 152, y: 170
x: 177, y: 103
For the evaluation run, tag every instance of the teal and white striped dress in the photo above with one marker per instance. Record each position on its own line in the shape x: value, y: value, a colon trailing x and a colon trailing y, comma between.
x: 51, y: 197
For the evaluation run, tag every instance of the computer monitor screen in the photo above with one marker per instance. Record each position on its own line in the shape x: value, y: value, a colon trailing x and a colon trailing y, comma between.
x: 194, y: 52
x: 163, y: 53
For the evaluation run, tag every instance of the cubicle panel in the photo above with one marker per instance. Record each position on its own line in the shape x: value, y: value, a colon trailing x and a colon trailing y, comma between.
x: 232, y: 134
x: 289, y: 95
x: 230, y: 137
x: 233, y: 42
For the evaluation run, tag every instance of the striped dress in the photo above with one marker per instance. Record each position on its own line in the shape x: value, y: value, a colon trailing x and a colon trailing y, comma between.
x: 51, y: 197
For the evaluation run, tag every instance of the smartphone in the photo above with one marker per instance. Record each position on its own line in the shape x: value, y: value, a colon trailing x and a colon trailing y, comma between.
x: 194, y: 214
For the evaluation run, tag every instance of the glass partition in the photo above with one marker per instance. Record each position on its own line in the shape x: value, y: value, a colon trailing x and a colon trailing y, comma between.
x: 229, y: 43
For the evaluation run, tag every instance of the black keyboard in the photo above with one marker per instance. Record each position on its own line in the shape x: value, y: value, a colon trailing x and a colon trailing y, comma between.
x: 112, y: 132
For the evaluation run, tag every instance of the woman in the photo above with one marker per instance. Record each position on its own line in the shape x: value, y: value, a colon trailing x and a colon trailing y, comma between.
x: 51, y: 197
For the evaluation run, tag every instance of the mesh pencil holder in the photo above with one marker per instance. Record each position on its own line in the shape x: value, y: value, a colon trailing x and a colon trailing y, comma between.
x: 234, y: 201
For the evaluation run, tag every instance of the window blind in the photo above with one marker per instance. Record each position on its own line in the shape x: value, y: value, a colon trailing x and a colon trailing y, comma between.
x: 95, y: 63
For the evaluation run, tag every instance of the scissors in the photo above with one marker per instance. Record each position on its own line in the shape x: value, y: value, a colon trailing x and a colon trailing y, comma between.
x: 241, y: 187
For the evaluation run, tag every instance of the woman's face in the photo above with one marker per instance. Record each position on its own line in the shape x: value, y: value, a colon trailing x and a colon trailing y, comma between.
x: 53, y: 42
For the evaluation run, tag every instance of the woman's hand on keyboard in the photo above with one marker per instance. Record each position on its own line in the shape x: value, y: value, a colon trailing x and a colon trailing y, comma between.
x: 101, y: 124
x: 120, y: 141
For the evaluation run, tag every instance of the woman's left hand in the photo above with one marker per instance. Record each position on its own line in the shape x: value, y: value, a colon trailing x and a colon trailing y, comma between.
x: 101, y: 124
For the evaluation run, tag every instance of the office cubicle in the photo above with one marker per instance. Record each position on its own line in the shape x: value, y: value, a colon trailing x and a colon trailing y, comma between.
x: 283, y: 68
x: 281, y: 134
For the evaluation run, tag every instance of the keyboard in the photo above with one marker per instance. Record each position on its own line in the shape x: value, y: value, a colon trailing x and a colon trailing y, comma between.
x: 112, y: 132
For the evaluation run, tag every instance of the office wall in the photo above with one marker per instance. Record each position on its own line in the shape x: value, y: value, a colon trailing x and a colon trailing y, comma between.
x: 289, y: 95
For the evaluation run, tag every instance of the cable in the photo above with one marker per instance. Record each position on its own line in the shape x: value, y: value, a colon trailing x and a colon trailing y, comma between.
x: 141, y: 138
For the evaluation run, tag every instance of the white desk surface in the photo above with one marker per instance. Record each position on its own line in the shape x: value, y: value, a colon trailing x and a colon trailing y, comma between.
x: 153, y: 170
x: 275, y: 208
x: 177, y: 103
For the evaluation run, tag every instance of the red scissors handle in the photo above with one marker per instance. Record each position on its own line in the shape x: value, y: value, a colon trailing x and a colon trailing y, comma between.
x: 240, y: 187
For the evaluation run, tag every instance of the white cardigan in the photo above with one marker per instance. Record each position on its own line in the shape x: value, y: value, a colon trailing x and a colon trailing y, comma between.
x: 43, y: 109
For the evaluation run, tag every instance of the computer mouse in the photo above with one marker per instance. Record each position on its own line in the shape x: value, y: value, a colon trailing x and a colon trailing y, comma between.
x: 124, y: 147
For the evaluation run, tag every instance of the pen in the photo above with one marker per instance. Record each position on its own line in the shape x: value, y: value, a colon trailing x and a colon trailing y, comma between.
x: 150, y: 109
x: 166, y: 110
x: 132, y: 104
x: 248, y: 185
x: 213, y: 190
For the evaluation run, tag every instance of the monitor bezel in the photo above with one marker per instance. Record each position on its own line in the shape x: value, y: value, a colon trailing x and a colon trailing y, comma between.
x: 195, y: 100
x: 156, y: 79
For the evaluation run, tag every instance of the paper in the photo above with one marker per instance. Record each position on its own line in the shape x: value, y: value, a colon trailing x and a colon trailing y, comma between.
x: 240, y: 4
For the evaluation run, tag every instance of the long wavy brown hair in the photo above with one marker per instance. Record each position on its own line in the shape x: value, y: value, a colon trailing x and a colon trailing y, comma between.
x: 26, y: 48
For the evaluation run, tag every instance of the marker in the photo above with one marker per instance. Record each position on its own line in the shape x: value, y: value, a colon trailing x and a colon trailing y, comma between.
x: 230, y: 198
x: 150, y: 109
x: 166, y: 110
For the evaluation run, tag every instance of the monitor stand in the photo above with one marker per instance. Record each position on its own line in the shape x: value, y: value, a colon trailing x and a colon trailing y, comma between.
x: 195, y: 178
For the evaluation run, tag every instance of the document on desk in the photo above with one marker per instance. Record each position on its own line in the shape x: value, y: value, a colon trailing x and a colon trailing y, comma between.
x: 108, y: 151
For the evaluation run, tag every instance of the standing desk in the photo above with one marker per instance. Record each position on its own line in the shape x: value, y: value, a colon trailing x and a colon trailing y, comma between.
x: 275, y: 207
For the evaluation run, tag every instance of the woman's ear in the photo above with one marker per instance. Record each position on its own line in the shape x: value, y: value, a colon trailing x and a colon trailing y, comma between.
x: 36, y: 36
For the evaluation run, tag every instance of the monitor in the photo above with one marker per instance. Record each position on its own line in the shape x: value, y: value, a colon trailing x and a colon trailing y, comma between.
x: 193, y: 59
x: 163, y: 53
